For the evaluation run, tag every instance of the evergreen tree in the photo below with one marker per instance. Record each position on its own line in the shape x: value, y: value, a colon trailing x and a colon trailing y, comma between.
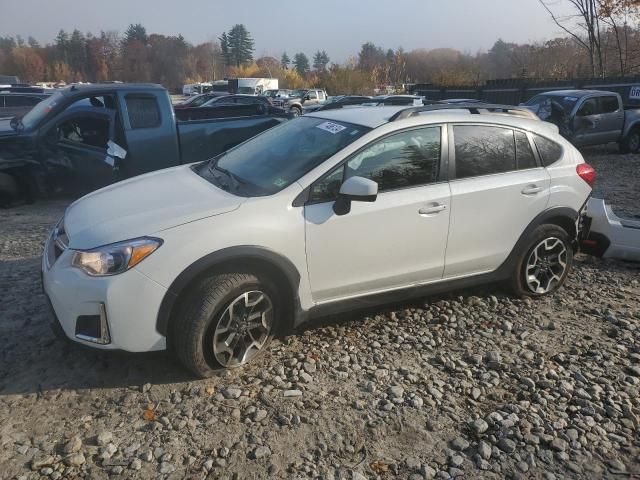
x: 136, y: 32
x: 301, y: 63
x: 238, y: 45
x: 285, y: 61
x: 320, y: 61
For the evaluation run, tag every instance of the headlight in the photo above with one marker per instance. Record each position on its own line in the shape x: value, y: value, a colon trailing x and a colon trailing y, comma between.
x: 115, y: 258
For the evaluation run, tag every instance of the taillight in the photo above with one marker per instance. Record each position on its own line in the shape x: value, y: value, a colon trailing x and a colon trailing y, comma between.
x: 587, y: 173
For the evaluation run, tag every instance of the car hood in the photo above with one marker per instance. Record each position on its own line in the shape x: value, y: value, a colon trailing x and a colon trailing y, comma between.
x: 144, y: 205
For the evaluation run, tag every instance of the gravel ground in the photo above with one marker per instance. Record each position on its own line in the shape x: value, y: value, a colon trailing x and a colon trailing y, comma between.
x: 475, y: 384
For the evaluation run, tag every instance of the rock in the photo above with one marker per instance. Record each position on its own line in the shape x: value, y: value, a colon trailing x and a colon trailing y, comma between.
x: 292, y: 393
x: 136, y: 464
x: 75, y: 459
x: 427, y: 472
x: 40, y: 461
x: 617, y: 466
x: 231, y: 393
x: 459, y: 444
x: 396, y: 391
x: 208, y: 464
x: 104, y: 438
x: 506, y: 445
x: 484, y: 450
x: 146, y: 455
x: 223, y: 452
x: 479, y: 426
x: 417, y: 402
x: 559, y: 445
x: 305, y: 377
x: 166, y: 468
x: 412, y: 463
x: 260, y: 415
x: 261, y: 452
x: 456, y: 461
x: 73, y: 445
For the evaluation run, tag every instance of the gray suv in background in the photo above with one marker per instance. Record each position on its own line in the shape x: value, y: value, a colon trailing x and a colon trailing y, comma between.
x: 590, y: 117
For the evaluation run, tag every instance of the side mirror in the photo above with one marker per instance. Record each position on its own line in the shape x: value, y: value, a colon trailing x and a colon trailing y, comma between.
x: 307, y: 97
x: 355, y: 189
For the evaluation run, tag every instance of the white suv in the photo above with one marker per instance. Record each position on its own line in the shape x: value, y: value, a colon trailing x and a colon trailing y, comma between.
x: 335, y: 210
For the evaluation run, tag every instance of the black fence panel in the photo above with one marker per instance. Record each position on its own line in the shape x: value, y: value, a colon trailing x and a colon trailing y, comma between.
x: 516, y: 91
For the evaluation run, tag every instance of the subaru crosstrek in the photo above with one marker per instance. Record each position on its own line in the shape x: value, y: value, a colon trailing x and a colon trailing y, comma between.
x: 331, y: 211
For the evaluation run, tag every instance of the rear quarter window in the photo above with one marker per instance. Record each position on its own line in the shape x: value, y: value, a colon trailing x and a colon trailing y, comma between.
x: 550, y: 152
x: 143, y: 111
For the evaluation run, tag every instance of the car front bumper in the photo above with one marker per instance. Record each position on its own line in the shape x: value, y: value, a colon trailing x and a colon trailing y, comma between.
x: 116, y: 312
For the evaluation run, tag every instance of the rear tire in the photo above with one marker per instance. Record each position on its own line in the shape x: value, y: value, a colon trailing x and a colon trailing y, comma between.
x: 227, y: 321
x: 542, y: 267
x: 295, y: 111
x: 631, y: 143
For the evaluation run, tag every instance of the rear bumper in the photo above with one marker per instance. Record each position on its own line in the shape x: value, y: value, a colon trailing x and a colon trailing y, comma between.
x: 608, y: 235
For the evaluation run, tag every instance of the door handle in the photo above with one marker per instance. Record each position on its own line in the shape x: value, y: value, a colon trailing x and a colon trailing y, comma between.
x: 532, y: 190
x: 437, y: 208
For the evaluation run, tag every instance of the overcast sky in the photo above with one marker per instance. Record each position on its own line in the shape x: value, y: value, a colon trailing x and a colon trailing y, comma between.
x: 337, y: 26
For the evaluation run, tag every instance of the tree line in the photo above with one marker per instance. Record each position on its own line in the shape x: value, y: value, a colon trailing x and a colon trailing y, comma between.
x: 602, y: 40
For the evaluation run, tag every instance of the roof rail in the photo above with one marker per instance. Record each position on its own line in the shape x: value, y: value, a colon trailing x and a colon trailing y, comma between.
x: 473, y: 108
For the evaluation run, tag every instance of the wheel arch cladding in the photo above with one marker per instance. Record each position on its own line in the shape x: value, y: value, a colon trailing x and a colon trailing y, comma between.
x: 564, y: 217
x: 247, y: 258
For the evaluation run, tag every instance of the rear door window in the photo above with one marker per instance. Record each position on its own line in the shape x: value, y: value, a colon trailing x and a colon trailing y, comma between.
x: 143, y: 111
x: 608, y: 104
x: 483, y: 150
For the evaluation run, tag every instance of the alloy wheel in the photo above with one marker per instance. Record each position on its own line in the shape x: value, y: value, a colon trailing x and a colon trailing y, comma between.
x: 546, y: 265
x: 243, y: 329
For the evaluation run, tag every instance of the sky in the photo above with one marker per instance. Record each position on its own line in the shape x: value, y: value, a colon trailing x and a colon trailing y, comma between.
x: 337, y: 26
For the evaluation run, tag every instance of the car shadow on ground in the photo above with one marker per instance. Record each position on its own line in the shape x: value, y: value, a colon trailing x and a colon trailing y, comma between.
x: 33, y: 360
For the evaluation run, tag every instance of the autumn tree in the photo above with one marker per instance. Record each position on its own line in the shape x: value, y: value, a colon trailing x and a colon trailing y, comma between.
x: 27, y: 64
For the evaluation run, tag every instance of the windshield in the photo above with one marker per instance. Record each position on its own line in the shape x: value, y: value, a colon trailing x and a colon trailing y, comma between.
x: 281, y: 155
x: 297, y: 93
x: 40, y: 110
x: 566, y: 102
x: 199, y: 100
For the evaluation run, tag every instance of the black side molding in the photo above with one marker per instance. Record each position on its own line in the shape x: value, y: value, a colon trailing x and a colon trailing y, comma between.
x: 244, y: 253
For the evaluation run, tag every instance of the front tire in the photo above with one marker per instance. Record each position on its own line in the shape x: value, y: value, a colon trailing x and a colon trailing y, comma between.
x: 227, y: 321
x: 543, y: 266
x: 295, y: 111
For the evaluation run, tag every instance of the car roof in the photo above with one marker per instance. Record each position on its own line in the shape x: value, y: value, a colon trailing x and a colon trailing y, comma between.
x: 575, y: 93
x: 98, y: 88
x: 374, y: 116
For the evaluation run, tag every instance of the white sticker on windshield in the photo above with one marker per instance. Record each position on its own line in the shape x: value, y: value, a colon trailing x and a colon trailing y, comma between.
x: 280, y: 182
x: 571, y: 99
x: 331, y: 127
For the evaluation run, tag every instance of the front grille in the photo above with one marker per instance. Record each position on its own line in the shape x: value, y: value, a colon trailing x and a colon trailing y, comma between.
x: 58, y: 243
x: 277, y: 103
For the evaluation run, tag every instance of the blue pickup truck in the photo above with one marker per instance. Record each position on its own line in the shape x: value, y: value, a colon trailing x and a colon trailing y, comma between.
x: 85, y: 137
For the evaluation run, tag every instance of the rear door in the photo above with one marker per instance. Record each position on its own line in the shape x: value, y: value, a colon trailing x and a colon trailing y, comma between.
x: 151, y: 132
x: 497, y: 189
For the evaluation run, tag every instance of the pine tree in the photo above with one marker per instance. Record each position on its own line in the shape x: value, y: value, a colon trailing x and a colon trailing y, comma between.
x: 238, y: 45
x: 301, y: 63
x: 285, y: 61
x: 320, y: 61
